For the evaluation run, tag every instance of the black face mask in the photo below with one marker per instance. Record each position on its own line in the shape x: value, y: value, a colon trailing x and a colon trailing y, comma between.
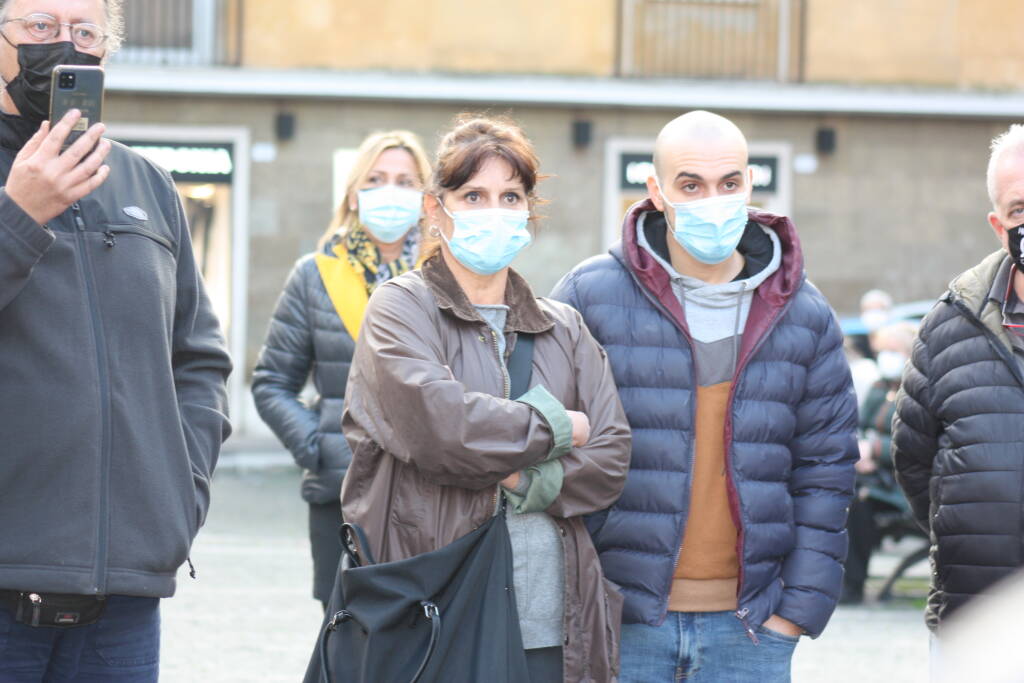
x: 30, y: 89
x: 1013, y: 240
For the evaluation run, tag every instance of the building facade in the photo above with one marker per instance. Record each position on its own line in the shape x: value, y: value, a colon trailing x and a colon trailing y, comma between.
x: 868, y: 122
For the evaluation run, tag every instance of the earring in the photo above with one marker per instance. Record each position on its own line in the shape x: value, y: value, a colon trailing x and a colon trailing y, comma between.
x: 434, y: 231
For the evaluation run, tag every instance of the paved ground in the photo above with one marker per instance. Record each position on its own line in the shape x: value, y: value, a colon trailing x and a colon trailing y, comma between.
x: 250, y: 617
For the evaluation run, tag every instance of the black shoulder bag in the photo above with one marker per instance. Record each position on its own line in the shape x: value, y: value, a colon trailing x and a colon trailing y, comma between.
x: 447, y: 615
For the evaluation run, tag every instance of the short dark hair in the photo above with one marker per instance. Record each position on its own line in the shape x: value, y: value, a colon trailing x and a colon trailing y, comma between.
x: 473, y: 140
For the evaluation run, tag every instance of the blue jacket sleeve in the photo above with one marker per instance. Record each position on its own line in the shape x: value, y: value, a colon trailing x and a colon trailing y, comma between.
x: 565, y: 291
x: 821, y: 485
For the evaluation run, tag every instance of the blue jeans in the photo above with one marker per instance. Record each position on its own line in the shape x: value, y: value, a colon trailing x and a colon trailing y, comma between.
x: 122, y: 647
x: 705, y: 647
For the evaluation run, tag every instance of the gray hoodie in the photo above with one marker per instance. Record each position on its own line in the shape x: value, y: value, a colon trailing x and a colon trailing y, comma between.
x: 715, y: 314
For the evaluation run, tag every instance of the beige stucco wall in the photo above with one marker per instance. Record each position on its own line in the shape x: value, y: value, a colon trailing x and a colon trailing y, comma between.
x: 960, y: 43
x: 510, y: 36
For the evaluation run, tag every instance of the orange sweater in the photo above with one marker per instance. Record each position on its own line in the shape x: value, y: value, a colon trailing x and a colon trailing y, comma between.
x: 705, y: 578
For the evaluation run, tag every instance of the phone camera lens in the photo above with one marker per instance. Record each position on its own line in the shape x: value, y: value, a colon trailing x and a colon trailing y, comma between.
x: 66, y: 81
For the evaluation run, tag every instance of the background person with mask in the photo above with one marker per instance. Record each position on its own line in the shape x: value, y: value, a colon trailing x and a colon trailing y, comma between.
x: 959, y: 427
x: 729, y: 537
x: 875, y: 309
x: 374, y: 236
x: 877, y: 491
x: 435, y: 435
x: 112, y: 403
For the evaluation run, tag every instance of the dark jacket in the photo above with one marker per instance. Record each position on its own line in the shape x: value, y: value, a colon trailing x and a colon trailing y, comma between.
x: 790, y: 433
x: 112, y: 398
x: 958, y: 441
x: 306, y: 334
x: 876, y: 415
x: 433, y: 432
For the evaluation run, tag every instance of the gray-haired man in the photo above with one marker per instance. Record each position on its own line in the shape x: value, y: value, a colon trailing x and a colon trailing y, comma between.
x: 958, y: 430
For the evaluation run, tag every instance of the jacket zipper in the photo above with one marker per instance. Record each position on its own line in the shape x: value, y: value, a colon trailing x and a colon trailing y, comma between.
x: 693, y: 420
x: 741, y: 614
x: 506, y: 384
x: 1005, y: 354
x: 733, y: 490
x: 505, y: 379
x: 99, y: 339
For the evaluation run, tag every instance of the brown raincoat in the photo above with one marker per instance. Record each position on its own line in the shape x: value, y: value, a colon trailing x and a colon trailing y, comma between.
x: 432, y: 436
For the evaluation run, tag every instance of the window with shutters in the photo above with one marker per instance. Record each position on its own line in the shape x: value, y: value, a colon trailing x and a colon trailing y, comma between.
x: 721, y: 39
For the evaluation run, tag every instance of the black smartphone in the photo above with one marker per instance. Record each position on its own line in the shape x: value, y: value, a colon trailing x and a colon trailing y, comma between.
x: 76, y: 87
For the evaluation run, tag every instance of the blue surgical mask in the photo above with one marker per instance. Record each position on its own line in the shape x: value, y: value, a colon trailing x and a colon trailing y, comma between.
x: 487, y: 240
x: 389, y: 212
x: 710, y: 229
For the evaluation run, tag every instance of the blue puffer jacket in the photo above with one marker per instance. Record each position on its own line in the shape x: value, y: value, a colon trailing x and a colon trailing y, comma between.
x: 790, y: 434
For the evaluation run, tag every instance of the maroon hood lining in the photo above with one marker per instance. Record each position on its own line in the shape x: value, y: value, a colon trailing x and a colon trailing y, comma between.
x: 769, y: 298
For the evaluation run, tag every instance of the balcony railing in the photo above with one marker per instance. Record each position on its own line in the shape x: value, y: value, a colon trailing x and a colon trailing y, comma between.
x: 181, y: 32
x: 723, y: 39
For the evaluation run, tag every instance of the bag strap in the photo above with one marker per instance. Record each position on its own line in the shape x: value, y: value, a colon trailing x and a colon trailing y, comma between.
x: 433, y: 615
x: 430, y: 611
x: 520, y: 365
x: 520, y: 370
x: 346, y: 288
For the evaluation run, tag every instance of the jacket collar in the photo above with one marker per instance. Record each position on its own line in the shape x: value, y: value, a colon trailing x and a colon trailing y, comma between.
x: 524, y: 313
x: 972, y: 289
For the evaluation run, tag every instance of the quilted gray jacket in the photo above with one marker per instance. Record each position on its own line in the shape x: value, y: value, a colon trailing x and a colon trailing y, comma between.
x: 957, y: 439
x: 307, y: 336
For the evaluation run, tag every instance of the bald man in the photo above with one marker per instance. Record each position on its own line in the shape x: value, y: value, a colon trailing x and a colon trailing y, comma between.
x: 958, y: 435
x: 729, y: 538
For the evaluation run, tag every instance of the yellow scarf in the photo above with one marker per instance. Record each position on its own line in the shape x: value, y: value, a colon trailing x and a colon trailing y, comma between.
x: 353, y: 272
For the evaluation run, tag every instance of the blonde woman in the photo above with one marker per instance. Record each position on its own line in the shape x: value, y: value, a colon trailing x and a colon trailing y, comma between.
x: 374, y: 236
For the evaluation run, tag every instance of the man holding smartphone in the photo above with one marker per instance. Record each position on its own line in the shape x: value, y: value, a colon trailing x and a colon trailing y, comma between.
x: 112, y: 372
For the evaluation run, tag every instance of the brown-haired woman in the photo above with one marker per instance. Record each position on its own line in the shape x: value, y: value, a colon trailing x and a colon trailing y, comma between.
x: 374, y: 237
x: 435, y: 435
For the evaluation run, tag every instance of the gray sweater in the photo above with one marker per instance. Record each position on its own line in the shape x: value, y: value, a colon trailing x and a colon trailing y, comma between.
x: 538, y: 560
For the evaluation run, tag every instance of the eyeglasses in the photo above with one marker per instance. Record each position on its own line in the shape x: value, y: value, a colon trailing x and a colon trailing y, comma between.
x: 45, y: 27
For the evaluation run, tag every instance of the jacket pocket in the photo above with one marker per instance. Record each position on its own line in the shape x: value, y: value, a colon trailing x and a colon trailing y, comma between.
x: 117, y: 229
